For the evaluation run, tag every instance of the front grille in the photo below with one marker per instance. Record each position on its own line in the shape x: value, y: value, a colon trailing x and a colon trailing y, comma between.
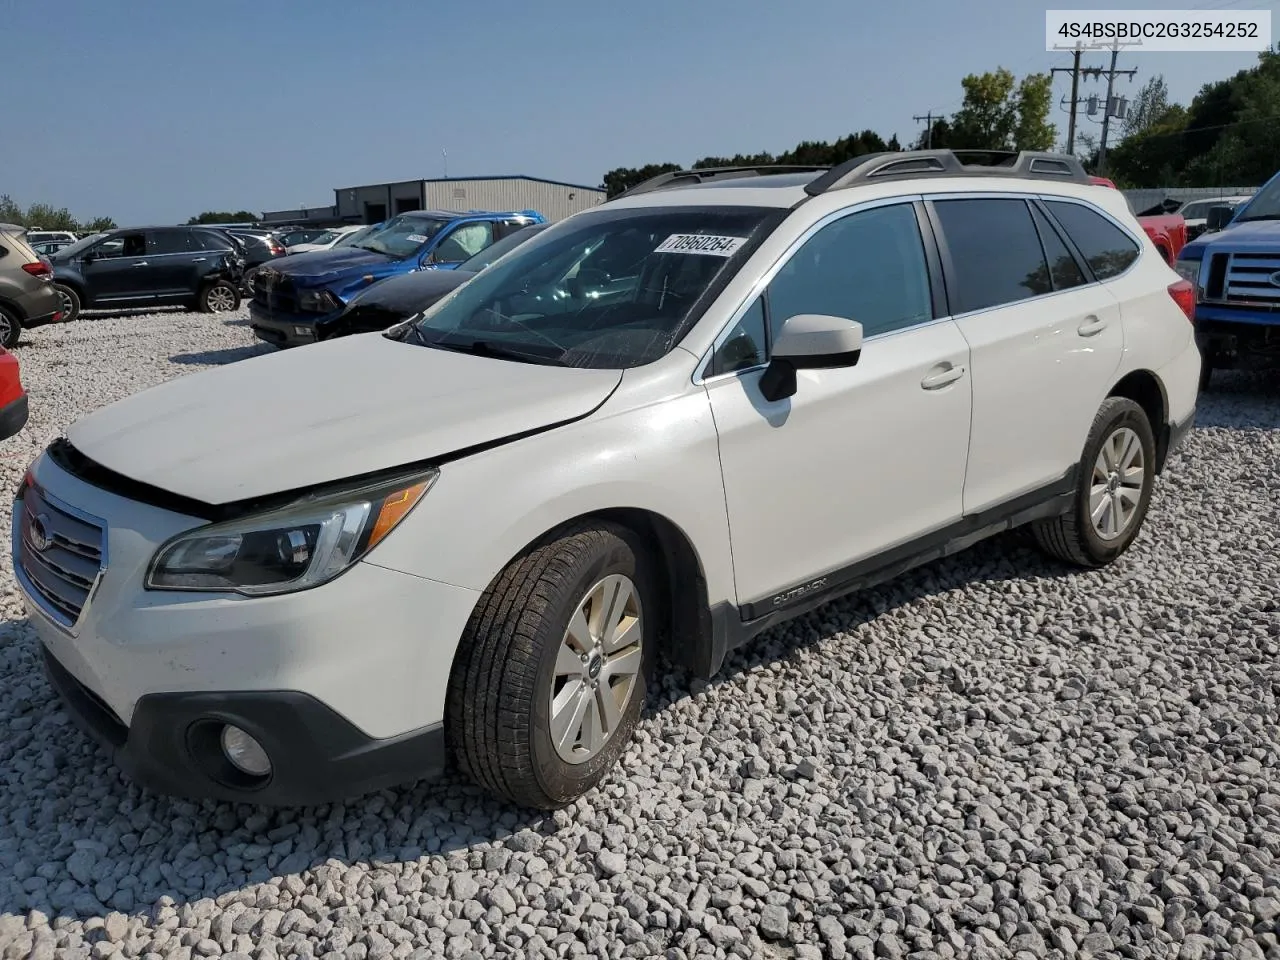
x: 274, y: 291
x: 60, y: 555
x: 1253, y: 278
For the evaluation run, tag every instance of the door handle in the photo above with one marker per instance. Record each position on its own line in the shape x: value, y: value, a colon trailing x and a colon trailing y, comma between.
x: 142, y: 264
x: 944, y: 376
x: 1091, y: 326
x: 199, y: 259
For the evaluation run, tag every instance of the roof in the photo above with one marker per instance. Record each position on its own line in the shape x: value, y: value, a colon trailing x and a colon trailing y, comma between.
x: 513, y: 176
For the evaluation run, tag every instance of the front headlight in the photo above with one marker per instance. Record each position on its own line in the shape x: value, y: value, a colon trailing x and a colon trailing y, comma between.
x: 318, y: 301
x: 1188, y: 270
x: 295, y: 547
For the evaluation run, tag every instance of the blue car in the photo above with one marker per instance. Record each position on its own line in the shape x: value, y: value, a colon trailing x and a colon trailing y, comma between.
x: 1236, y: 273
x: 294, y: 294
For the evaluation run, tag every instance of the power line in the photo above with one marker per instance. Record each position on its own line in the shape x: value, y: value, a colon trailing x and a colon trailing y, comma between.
x: 929, y: 119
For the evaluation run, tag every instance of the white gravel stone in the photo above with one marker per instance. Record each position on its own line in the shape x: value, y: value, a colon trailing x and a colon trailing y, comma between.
x: 992, y: 754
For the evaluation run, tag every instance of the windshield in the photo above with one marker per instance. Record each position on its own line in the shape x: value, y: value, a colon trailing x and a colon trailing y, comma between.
x: 402, y: 236
x: 607, y: 290
x: 80, y: 245
x: 1265, y: 205
x: 327, y: 237
x: 503, y: 246
x: 355, y: 236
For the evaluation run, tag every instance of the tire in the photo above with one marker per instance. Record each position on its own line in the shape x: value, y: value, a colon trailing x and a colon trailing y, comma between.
x: 246, y: 282
x: 10, y: 329
x: 499, y: 707
x: 218, y: 297
x: 1074, y: 537
x: 70, y: 302
x: 1206, y: 374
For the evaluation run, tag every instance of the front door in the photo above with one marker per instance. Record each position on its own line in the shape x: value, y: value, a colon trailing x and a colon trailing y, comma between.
x: 1046, y: 343
x: 859, y: 459
x: 118, y: 269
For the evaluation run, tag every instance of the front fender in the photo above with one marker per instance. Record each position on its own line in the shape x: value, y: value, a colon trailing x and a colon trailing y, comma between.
x: 485, y: 509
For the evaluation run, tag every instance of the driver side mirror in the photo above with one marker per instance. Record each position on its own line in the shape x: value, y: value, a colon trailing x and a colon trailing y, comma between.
x: 1218, y: 217
x: 809, y: 341
x: 89, y: 257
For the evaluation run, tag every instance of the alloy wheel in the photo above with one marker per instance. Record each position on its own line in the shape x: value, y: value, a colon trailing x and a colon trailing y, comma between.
x: 597, y: 669
x: 221, y: 298
x: 1119, y: 476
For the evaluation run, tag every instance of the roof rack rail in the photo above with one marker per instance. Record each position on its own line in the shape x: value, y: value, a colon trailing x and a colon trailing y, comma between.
x: 1027, y: 164
x: 676, y: 178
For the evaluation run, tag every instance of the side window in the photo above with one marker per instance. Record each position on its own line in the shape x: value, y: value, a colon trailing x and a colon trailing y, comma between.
x: 746, y: 345
x: 168, y: 241
x: 1107, y: 248
x: 463, y: 242
x: 1063, y: 269
x: 995, y: 253
x: 869, y: 266
x: 122, y: 245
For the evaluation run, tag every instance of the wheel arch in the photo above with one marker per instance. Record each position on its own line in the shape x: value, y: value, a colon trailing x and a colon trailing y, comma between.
x: 1146, y: 390
x: 686, y: 629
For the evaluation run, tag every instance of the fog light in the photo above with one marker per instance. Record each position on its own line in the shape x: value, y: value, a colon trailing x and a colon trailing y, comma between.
x: 245, y: 753
x: 302, y: 331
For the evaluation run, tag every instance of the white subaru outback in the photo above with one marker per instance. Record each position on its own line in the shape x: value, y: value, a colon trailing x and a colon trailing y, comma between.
x: 658, y: 428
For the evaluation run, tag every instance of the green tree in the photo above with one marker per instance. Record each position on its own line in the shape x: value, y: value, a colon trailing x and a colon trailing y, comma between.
x: 1034, y: 101
x: 621, y: 179
x: 41, y: 216
x: 999, y: 113
x: 99, y: 225
x: 222, y: 216
x: 1149, y: 107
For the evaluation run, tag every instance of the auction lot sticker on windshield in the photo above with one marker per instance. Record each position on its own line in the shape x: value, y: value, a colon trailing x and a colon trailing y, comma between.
x: 417, y: 238
x: 700, y: 243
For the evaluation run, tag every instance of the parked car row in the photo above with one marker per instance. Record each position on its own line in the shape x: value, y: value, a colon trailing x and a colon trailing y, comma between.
x: 629, y: 436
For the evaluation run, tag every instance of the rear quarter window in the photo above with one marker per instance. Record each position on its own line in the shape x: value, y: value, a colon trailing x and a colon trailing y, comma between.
x: 1107, y: 249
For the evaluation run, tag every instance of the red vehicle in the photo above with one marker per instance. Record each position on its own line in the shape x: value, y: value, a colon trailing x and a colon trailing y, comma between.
x: 13, y: 398
x: 1168, y: 231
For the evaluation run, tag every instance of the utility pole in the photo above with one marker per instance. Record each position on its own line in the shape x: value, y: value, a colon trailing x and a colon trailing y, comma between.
x: 928, y: 118
x: 1107, y: 111
x: 1074, y: 70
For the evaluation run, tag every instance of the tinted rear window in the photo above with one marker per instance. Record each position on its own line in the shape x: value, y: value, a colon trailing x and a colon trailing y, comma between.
x: 1108, y: 249
x: 995, y: 253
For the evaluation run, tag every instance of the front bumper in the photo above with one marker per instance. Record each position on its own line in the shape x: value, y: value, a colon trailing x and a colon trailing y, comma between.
x: 344, y: 676
x: 13, y: 417
x: 172, y: 745
x: 283, y: 329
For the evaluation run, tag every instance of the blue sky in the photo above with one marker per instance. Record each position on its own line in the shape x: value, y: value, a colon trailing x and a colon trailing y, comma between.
x: 154, y: 110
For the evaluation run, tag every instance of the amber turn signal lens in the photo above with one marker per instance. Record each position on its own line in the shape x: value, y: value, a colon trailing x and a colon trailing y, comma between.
x: 394, y: 508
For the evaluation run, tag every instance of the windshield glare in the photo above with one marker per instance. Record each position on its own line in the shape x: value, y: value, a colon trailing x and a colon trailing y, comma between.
x: 402, y: 236
x: 607, y: 290
x: 1265, y: 205
x: 501, y: 248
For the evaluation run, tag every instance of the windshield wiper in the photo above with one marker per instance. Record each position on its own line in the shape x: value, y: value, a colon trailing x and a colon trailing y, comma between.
x: 408, y: 330
x: 505, y: 351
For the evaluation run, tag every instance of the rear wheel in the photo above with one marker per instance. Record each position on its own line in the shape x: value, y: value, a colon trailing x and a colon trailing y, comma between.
x: 68, y: 302
x: 550, y: 674
x: 10, y: 329
x: 219, y: 297
x: 1206, y: 372
x: 1117, y: 473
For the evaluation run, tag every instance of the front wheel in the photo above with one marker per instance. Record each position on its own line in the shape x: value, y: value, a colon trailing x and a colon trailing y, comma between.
x: 549, y: 678
x: 68, y: 302
x: 1117, y: 473
x: 219, y: 297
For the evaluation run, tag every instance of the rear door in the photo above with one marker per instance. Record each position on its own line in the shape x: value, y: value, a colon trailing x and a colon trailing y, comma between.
x: 172, y: 269
x: 1046, y: 342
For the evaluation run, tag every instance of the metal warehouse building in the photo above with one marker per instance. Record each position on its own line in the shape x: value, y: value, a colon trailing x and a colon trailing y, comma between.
x: 551, y: 198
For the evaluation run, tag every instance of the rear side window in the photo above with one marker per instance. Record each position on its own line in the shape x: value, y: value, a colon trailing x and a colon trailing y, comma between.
x: 1108, y: 249
x: 1063, y: 269
x: 995, y: 251
x: 208, y: 240
x: 168, y: 241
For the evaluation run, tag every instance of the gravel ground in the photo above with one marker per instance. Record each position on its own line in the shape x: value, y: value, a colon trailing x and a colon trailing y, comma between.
x: 994, y: 756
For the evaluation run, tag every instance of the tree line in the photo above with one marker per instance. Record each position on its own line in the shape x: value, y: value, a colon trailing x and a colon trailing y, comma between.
x: 1229, y: 135
x: 998, y: 113
x: 42, y: 216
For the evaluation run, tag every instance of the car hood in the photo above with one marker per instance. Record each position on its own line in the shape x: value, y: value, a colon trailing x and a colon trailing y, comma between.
x: 1252, y: 234
x: 325, y: 266
x: 412, y: 292
x: 326, y: 412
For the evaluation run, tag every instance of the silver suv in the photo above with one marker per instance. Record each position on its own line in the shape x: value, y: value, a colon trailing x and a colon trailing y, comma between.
x: 27, y: 297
